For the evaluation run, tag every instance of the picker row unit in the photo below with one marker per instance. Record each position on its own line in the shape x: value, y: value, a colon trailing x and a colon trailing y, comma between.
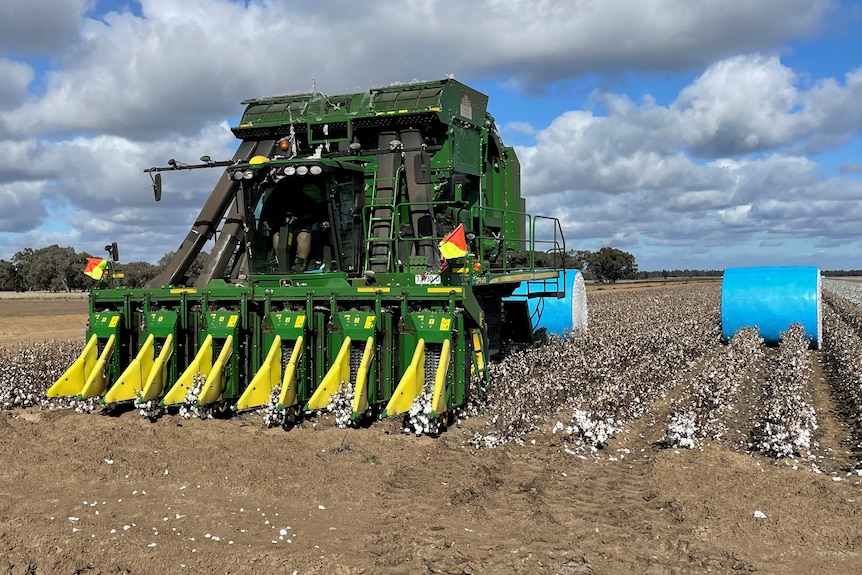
x: 398, y: 179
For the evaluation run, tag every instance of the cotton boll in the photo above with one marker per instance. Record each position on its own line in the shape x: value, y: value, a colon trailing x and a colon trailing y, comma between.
x: 341, y: 405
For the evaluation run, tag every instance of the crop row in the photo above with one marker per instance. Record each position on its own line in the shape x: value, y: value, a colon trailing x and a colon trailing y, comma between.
x: 643, y: 347
x: 640, y: 344
x: 29, y: 370
x: 748, y: 385
x: 842, y: 353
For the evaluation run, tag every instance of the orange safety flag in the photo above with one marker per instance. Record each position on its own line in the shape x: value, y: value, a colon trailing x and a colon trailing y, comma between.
x: 95, y: 268
x: 454, y: 244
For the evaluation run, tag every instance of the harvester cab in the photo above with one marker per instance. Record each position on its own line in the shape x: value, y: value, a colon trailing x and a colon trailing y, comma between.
x: 289, y: 199
x: 370, y: 250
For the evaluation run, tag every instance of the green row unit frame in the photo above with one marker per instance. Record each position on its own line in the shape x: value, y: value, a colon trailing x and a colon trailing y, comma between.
x: 104, y: 325
x: 221, y: 325
x: 161, y: 324
x: 324, y: 310
x: 435, y: 327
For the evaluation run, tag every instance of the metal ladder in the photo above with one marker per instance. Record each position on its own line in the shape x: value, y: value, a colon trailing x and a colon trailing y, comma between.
x: 379, y: 249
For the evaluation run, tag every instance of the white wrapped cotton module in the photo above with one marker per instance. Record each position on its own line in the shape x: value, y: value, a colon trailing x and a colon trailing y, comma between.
x: 558, y: 315
x: 771, y: 299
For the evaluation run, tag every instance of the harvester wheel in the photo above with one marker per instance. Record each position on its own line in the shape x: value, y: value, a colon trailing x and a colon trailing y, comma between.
x: 291, y: 418
x: 116, y: 409
x: 445, y: 420
x: 221, y: 410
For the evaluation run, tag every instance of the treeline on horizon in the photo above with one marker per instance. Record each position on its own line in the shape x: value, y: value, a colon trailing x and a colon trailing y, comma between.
x: 59, y: 269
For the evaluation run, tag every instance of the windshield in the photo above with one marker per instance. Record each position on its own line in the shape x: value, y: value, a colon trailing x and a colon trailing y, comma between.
x: 303, y: 223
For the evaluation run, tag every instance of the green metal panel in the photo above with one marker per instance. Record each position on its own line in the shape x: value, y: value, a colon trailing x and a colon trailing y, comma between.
x: 514, y: 226
x: 358, y: 325
x: 433, y: 327
x: 408, y: 98
x: 220, y: 325
x: 104, y: 325
x: 162, y: 323
x: 449, y: 99
x: 466, y: 150
x: 289, y: 325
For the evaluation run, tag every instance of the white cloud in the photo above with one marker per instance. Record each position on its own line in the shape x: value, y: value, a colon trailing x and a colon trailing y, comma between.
x: 21, y: 207
x: 16, y: 78
x: 638, y: 170
x: 726, y: 159
x: 523, y: 128
x: 173, y: 68
x: 547, y: 41
x: 739, y: 105
x: 834, y: 110
x: 98, y: 189
x: 39, y: 26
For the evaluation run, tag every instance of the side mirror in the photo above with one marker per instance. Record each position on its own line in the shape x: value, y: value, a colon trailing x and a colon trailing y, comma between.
x: 157, y: 187
x: 423, y: 168
x: 114, y: 252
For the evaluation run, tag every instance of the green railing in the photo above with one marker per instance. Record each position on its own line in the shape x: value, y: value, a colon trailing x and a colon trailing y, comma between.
x: 544, y: 234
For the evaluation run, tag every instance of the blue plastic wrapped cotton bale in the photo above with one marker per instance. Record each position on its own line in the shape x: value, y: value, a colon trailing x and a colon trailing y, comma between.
x: 557, y: 315
x: 771, y: 299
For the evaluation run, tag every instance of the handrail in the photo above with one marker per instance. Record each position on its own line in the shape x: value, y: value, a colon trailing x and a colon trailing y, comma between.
x: 533, y: 238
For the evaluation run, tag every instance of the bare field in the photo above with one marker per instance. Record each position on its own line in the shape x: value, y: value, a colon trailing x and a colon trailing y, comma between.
x: 43, y: 296
x: 24, y: 321
x: 94, y: 494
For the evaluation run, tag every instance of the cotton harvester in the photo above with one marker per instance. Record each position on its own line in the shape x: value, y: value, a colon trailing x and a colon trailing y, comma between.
x: 375, y: 242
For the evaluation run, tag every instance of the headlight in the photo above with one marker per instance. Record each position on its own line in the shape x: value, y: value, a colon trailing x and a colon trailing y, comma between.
x: 237, y: 175
x: 315, y: 170
x: 247, y: 175
x: 289, y: 170
x: 302, y: 170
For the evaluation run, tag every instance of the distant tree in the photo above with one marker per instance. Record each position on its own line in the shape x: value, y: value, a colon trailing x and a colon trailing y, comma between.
x: 51, y: 269
x: 193, y: 271
x: 21, y: 261
x: 137, y: 274
x: 10, y: 279
x: 578, y: 259
x: 611, y: 264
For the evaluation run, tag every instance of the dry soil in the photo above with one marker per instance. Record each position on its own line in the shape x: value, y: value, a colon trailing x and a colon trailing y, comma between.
x: 94, y: 494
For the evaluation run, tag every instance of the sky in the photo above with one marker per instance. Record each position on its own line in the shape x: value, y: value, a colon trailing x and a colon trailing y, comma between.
x: 693, y: 135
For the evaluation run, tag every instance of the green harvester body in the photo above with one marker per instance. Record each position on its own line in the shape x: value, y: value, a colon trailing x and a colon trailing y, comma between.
x: 378, y: 310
